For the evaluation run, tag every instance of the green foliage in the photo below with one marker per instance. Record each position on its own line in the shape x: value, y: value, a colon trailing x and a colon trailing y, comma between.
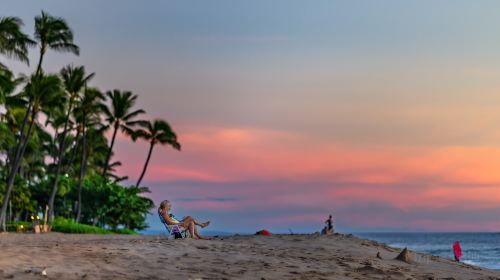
x: 21, y: 199
x: 54, y: 33
x: 52, y: 126
x: 108, y: 203
x: 13, y: 42
x: 68, y: 226
x: 12, y: 226
x: 124, y: 231
x: 119, y: 115
x: 7, y: 139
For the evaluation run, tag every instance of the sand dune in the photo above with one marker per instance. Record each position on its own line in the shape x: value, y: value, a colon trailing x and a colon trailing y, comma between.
x: 61, y: 256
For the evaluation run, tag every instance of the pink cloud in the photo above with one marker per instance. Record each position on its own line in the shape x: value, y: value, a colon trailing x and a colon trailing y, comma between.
x: 323, y: 173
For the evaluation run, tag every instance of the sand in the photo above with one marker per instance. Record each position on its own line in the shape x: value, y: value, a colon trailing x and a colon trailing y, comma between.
x: 65, y: 256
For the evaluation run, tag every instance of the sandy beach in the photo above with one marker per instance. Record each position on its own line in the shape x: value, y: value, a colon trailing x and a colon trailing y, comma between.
x: 64, y: 256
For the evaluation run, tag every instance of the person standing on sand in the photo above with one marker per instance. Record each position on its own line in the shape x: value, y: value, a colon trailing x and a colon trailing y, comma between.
x: 328, y: 229
x: 187, y: 222
x: 457, y: 250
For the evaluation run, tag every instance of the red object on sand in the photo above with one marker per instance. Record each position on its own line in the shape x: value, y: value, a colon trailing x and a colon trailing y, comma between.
x: 457, y: 250
x: 263, y: 232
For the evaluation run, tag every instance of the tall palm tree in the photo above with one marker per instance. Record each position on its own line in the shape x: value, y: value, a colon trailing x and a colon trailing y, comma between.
x: 44, y: 91
x: 87, y: 115
x: 156, y: 132
x: 13, y: 42
x: 74, y: 80
x: 119, y: 115
x: 53, y: 33
x: 50, y: 33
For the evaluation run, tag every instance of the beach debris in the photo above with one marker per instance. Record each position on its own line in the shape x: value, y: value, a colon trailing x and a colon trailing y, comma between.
x: 379, y: 256
x: 264, y: 232
x: 44, y: 272
x: 404, y: 256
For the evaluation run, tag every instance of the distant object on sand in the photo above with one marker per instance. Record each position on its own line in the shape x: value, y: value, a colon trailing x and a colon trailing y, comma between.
x: 457, y: 251
x: 328, y: 229
x: 264, y: 232
x: 404, y: 256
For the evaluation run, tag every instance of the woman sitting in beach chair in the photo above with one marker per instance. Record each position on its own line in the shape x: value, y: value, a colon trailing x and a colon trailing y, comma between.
x: 186, y: 224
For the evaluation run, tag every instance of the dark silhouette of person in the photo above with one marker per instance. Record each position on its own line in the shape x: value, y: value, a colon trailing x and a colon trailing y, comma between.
x: 329, y: 223
x: 328, y: 229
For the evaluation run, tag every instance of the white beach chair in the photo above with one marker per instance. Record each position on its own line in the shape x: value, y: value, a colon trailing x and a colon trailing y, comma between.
x: 173, y: 229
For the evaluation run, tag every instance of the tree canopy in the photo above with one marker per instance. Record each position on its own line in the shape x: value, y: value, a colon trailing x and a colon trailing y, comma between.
x: 54, y: 153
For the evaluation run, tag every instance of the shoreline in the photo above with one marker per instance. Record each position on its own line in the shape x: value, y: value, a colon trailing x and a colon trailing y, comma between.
x: 339, y: 256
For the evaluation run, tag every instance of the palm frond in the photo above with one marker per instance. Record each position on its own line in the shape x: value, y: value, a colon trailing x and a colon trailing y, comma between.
x: 133, y: 114
x: 13, y: 42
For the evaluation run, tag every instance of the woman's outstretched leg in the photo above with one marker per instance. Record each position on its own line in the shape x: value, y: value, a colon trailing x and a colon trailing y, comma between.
x: 192, y: 229
x: 199, y: 236
x: 189, y: 219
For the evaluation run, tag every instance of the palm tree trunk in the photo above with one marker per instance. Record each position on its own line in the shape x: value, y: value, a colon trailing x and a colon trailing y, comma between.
x: 146, y: 164
x: 13, y: 173
x: 14, y: 168
x: 40, y: 60
x: 56, y: 133
x: 83, y: 169
x: 75, y: 148
x: 108, y: 156
x: 21, y: 137
x: 60, y: 157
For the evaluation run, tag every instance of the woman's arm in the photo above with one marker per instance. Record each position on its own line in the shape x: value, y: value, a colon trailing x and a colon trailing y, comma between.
x: 168, y: 219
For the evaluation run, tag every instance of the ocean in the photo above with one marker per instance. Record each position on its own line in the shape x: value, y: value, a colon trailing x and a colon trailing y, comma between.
x: 480, y: 249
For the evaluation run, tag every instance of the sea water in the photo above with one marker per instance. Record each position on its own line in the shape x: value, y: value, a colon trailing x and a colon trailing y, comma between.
x: 480, y: 249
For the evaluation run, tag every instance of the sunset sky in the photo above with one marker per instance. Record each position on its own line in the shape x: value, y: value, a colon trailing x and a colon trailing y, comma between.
x: 384, y: 113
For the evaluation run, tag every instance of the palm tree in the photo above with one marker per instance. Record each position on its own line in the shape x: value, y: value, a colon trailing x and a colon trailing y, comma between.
x: 87, y: 115
x: 74, y: 79
x: 119, y: 116
x: 44, y: 91
x: 53, y: 33
x: 50, y: 33
x: 156, y: 132
x: 13, y: 42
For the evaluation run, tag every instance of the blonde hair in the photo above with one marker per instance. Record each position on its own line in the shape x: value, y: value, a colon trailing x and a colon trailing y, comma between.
x: 163, y: 205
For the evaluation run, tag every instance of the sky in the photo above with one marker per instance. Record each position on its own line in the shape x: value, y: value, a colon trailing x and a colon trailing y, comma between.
x: 384, y: 113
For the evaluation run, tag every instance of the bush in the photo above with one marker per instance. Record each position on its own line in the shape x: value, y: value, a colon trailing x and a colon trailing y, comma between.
x: 68, y: 226
x: 124, y: 231
x: 12, y: 226
x: 109, y: 204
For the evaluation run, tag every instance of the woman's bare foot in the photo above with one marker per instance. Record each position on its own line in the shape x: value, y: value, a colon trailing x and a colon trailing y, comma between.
x: 205, y: 224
